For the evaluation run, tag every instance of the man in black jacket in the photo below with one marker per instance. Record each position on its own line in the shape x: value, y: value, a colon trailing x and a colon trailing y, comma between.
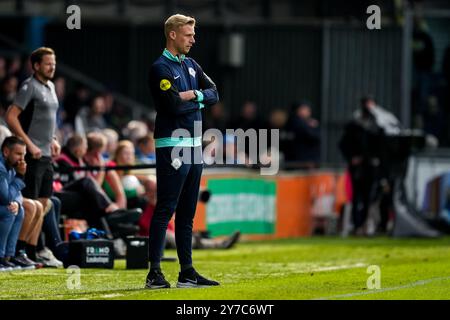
x: 304, y: 143
x: 362, y: 145
x: 180, y: 89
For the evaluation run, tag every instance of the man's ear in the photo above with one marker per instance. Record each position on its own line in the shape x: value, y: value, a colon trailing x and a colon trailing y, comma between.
x: 172, y: 35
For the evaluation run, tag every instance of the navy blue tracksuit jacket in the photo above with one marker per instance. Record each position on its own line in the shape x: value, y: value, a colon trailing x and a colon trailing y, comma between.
x: 178, y: 187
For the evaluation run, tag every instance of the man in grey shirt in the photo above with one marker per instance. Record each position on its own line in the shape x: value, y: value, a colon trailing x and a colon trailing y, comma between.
x: 32, y: 117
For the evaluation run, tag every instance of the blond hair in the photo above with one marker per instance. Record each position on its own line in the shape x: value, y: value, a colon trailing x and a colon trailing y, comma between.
x: 37, y: 55
x: 96, y: 141
x: 176, y: 21
x: 122, y: 145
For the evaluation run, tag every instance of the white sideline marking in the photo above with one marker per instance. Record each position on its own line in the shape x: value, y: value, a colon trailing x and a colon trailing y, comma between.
x: 341, y: 267
x: 406, y: 286
x: 112, y: 295
x: 293, y: 267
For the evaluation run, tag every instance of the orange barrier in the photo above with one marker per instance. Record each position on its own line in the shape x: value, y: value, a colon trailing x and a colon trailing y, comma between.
x: 300, y: 198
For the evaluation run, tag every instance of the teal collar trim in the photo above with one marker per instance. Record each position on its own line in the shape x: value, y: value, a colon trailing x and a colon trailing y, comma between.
x: 170, y: 56
x: 178, y: 142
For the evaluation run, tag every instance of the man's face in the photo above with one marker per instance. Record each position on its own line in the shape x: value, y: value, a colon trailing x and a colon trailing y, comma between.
x: 304, y: 111
x: 184, y: 39
x: 14, y: 155
x: 249, y: 110
x: 98, y: 106
x: 46, y: 68
x: 80, y: 150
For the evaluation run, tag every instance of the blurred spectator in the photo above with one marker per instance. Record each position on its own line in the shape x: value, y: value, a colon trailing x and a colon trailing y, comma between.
x: 215, y: 118
x: 109, y: 180
x: 109, y: 105
x: 91, y: 118
x: 434, y: 118
x: 139, y: 188
x: 232, y: 156
x: 304, y: 145
x: 134, y: 130
x: 213, y: 149
x: 81, y: 196
x: 60, y: 89
x: 364, y: 147
x: 248, y: 117
x: 112, y: 140
x: 75, y: 101
x: 277, y: 120
x: 145, y: 149
x: 116, y: 116
x: 8, y: 91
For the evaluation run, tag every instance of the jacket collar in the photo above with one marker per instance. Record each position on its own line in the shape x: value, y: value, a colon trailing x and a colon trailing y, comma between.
x: 170, y: 56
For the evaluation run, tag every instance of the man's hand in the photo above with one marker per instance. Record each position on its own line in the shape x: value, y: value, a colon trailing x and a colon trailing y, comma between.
x: 187, y: 95
x: 13, y: 207
x: 21, y: 167
x: 56, y: 148
x: 36, y: 153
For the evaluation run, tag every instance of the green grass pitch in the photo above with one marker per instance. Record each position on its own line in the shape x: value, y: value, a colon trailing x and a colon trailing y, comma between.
x: 313, y: 268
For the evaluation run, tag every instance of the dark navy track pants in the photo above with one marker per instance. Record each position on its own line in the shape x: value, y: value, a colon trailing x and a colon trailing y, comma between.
x: 177, y: 191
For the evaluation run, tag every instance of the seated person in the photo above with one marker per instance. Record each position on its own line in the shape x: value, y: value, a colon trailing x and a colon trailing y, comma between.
x: 12, y: 170
x: 145, y: 151
x: 109, y: 180
x: 80, y: 193
x: 139, y: 189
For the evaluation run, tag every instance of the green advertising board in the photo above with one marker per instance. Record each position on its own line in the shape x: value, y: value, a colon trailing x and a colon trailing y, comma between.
x: 247, y: 205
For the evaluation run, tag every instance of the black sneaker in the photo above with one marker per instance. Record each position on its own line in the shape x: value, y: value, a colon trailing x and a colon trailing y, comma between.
x: 4, y: 268
x: 156, y: 280
x: 22, y: 260
x: 191, y: 279
x: 9, y: 264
